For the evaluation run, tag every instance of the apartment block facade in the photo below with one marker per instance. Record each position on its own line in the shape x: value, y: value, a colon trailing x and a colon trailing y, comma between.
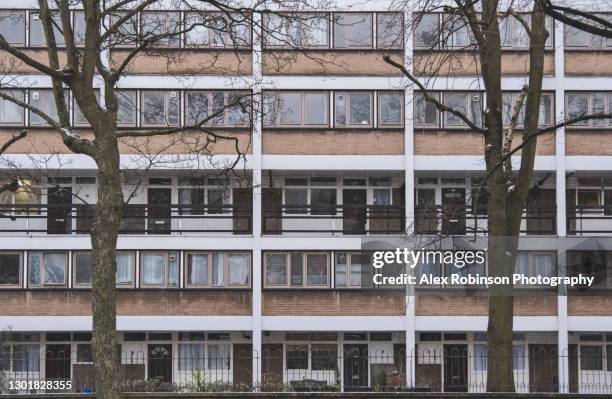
x: 259, y: 276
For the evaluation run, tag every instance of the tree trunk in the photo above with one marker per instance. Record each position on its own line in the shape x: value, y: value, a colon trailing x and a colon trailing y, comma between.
x: 104, y: 235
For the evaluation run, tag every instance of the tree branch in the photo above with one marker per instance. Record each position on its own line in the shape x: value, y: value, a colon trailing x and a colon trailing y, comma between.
x: 562, y: 14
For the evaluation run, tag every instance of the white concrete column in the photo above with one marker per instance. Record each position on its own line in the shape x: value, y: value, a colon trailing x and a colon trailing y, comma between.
x: 562, y: 331
x: 256, y: 180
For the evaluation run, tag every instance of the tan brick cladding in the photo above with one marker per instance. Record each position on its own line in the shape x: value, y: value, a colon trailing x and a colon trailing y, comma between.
x: 589, y: 305
x: 461, y: 63
x: 588, y: 63
x: 325, y: 62
x: 333, y: 142
x: 189, y: 62
x: 129, y: 303
x: 448, y: 304
x: 586, y: 142
x: 333, y: 303
x: 47, y: 141
x: 12, y: 64
x: 444, y: 142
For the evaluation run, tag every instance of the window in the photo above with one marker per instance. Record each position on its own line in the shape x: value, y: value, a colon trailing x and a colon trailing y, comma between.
x: 353, y: 109
x: 160, y: 108
x: 427, y: 31
x: 217, y: 30
x: 10, y: 269
x: 11, y: 113
x: 297, y: 357
x: 12, y: 27
x: 126, y: 107
x: 301, y: 30
x: 82, y: 265
x: 591, y: 357
x: 217, y: 199
x: 191, y: 357
x: 228, y: 108
x: 579, y: 104
x: 514, y: 36
x: 37, y: 34
x: 510, y: 100
x: 323, y: 201
x: 426, y: 114
x: 288, y: 108
x: 159, y: 269
x: 161, y: 28
x: 352, y: 269
x: 44, y: 100
x: 390, y: 30
x: 296, y: 200
x: 26, y: 358
x: 47, y: 268
x: 577, y: 39
x: 217, y: 269
x: 84, y: 353
x: 533, y: 264
x: 352, y: 30
x: 466, y: 103
x: 324, y: 357
x: 79, y: 27
x: 219, y: 356
x: 391, y: 109
x: 191, y: 196
x: 481, y: 357
x: 297, y: 269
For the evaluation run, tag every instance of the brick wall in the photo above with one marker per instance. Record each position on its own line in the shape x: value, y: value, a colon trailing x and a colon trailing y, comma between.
x: 134, y: 302
x: 333, y: 303
x: 447, y: 304
x: 333, y: 142
x: 586, y: 142
x: 588, y: 63
x: 589, y: 305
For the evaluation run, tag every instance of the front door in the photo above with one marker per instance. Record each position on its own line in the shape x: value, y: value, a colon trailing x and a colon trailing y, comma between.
x: 160, y: 362
x: 159, y: 200
x: 355, y: 367
x: 453, y: 211
x: 543, y: 368
x: 59, y: 201
x: 455, y: 368
x: 272, y: 210
x: 57, y: 362
x: 242, y: 210
x: 541, y: 212
x: 426, y: 217
x: 354, y: 211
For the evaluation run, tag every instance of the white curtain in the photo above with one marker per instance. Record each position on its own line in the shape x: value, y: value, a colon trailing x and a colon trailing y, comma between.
x: 542, y: 265
x: 219, y: 357
x: 191, y: 357
x: 217, y: 269
x: 55, y: 268
x: 26, y: 357
x: 153, y: 269
x: 124, y: 269
x: 238, y: 269
x: 198, y: 269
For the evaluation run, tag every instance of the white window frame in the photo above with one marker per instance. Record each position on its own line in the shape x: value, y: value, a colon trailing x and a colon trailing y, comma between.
x: 347, y: 110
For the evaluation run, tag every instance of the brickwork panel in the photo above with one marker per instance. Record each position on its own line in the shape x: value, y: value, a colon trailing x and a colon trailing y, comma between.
x: 589, y: 305
x: 588, y: 142
x: 443, y: 142
x: 588, y: 63
x: 333, y: 303
x: 447, y: 304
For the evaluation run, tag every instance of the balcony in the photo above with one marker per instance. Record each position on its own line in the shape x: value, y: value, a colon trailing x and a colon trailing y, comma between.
x: 137, y: 219
x: 458, y: 220
x: 589, y: 220
x: 334, y: 219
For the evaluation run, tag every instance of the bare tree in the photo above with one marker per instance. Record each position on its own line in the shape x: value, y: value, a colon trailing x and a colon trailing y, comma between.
x: 507, y: 188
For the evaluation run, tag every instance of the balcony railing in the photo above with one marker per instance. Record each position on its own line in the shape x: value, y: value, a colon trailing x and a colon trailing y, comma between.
x: 137, y: 219
x: 448, y: 220
x: 334, y: 219
x: 589, y: 220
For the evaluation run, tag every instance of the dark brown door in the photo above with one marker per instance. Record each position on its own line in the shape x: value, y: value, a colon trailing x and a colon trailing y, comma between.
x: 271, y: 207
x: 160, y: 362
x: 242, y: 210
x: 355, y: 367
x: 573, y: 368
x: 59, y: 201
x: 543, y: 368
x: 354, y: 211
x: 57, y: 362
x: 272, y: 367
x: 455, y: 368
x: 159, y: 200
x: 570, y: 209
x: 541, y: 212
x: 243, y: 366
x: 426, y: 215
x: 453, y: 211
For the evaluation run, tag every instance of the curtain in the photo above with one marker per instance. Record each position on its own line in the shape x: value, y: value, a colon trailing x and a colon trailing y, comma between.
x: 26, y: 358
x: 217, y: 269
x: 191, y: 357
x: 219, y: 357
x: 316, y: 269
x: 542, y: 265
x: 480, y: 357
x: 198, y: 269
x: 521, y: 263
x: 238, y: 269
x: 124, y: 269
x: 173, y: 268
x: 518, y: 357
x: 153, y: 269
x: 55, y: 268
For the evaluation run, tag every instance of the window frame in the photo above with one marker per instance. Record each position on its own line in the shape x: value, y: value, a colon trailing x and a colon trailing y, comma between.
x: 290, y: 30
x: 20, y: 268
x: 167, y: 93
x: 164, y: 42
x: 347, y: 40
x: 166, y: 272
x: 226, y: 269
x: 76, y: 285
x: 22, y: 110
x: 530, y: 272
x: 186, y: 22
x: 377, y: 22
x: 467, y: 104
x: 606, y: 45
x: 274, y: 121
x: 513, y: 100
x: 347, y: 109
x: 25, y: 27
x: 348, y: 272
x: 304, y: 273
x: 42, y: 268
x: 43, y: 39
x: 381, y: 124
x: 590, y: 124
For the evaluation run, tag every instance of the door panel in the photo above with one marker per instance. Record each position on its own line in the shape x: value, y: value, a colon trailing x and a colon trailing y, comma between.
x: 355, y: 367
x: 541, y: 211
x: 272, y: 367
x: 57, y: 362
x: 59, y: 200
x: 354, y: 214
x: 242, y: 210
x: 159, y: 215
x: 543, y: 368
x: 160, y: 362
x: 455, y: 368
x: 426, y: 216
x: 271, y: 207
x: 453, y: 216
x: 243, y: 365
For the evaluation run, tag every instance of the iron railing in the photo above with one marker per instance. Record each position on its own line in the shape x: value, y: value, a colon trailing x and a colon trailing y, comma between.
x: 333, y: 219
x: 589, y: 220
x: 320, y: 368
x: 137, y: 219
